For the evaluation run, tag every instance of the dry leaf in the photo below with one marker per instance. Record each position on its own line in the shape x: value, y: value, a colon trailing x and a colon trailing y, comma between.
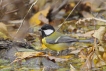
x: 23, y: 55
x: 26, y: 55
x: 83, y: 54
x: 43, y: 19
x: 99, y: 34
x: 35, y: 18
x: 3, y: 31
x: 72, y: 68
x: 88, y: 34
x: 75, y: 51
x: 57, y: 59
x: 98, y: 61
x: 88, y: 64
x: 87, y: 14
x: 104, y: 56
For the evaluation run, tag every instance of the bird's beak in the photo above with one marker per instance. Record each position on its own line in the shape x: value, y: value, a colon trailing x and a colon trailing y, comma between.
x: 40, y: 30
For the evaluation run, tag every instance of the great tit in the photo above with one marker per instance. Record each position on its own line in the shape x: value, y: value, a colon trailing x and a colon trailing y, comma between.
x: 55, y: 40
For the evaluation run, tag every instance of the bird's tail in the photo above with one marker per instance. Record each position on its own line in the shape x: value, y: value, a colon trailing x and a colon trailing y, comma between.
x: 87, y: 41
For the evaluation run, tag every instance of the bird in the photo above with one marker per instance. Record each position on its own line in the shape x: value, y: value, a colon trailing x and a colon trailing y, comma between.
x: 55, y: 40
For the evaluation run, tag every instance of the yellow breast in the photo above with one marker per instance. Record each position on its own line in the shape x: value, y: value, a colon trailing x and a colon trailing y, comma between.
x: 56, y: 47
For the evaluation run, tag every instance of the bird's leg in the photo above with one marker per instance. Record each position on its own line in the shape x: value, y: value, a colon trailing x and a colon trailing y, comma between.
x: 58, y: 53
x: 67, y: 51
x: 64, y: 52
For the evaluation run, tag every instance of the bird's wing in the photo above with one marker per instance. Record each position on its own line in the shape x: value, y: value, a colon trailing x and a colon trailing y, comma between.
x: 65, y: 39
x: 61, y: 39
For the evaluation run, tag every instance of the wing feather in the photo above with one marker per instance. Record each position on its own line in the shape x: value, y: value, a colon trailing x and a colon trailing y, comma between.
x: 62, y: 39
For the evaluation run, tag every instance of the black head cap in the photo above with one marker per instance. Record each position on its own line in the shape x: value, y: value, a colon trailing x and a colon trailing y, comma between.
x: 47, y: 26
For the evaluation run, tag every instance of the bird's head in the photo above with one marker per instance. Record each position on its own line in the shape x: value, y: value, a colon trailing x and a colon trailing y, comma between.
x: 47, y: 30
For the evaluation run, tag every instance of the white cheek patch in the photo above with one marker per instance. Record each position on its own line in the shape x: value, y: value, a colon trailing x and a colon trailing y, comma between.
x: 48, y: 32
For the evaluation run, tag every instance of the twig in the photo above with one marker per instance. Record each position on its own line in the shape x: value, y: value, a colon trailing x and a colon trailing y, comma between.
x: 99, y: 19
x: 95, y: 40
x: 89, y: 19
x: 11, y: 11
x: 25, y: 16
x: 69, y: 14
x: 15, y: 21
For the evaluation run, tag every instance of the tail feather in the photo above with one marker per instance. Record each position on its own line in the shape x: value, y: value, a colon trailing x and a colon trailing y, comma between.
x: 87, y: 41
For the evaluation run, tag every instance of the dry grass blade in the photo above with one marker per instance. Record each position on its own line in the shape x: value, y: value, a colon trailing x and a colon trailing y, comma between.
x: 25, y: 16
x: 69, y: 14
x: 88, y: 64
